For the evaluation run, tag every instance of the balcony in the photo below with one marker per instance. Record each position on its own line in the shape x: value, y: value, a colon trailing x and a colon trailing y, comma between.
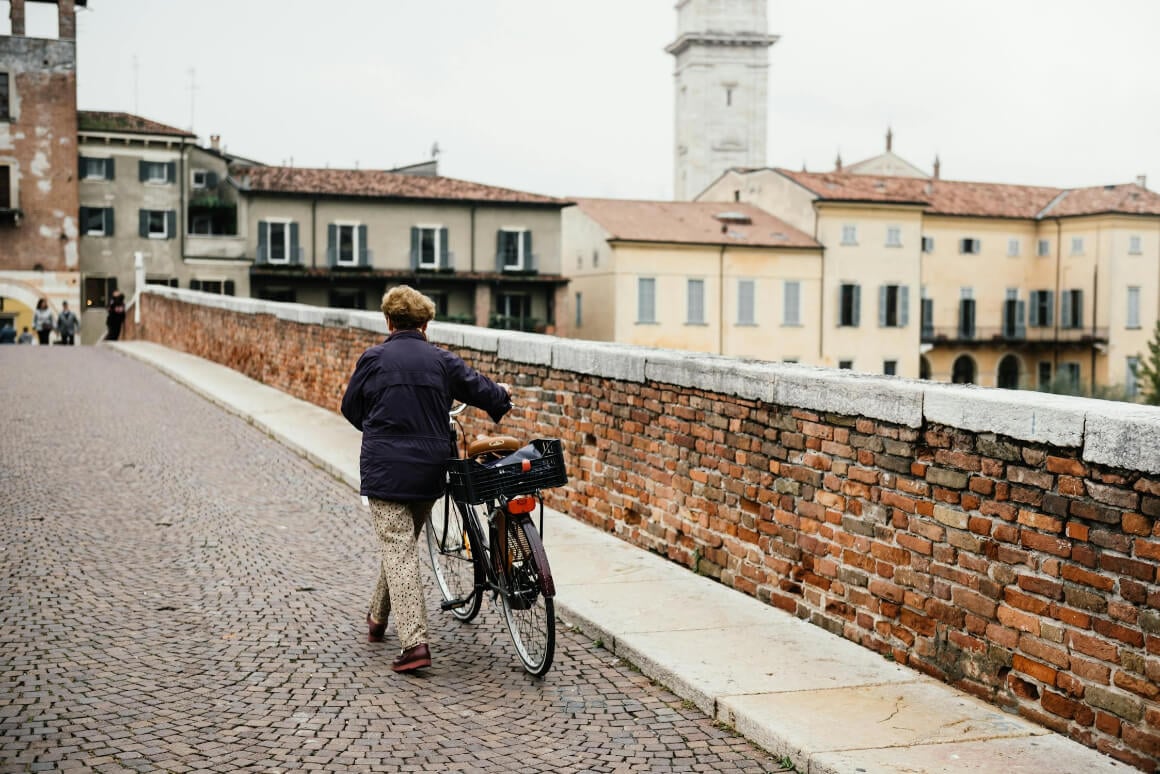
x: 1007, y: 335
x: 215, y: 246
x: 283, y: 256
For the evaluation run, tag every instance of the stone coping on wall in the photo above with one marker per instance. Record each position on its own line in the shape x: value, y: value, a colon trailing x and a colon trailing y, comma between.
x: 1122, y: 435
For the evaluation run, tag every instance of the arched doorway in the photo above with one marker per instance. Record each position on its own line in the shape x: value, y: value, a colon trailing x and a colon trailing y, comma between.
x: 1009, y: 376
x: 923, y: 367
x: 964, y: 370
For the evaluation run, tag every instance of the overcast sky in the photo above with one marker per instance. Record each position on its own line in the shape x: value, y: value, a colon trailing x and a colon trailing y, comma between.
x: 575, y: 98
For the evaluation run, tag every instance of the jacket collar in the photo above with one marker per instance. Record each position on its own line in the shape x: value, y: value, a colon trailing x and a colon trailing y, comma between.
x: 407, y: 335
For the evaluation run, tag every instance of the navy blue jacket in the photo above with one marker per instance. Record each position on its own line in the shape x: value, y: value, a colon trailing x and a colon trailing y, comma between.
x: 399, y: 396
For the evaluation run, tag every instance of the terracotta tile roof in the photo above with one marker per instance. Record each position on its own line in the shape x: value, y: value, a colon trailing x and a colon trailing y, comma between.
x: 377, y: 184
x: 105, y: 121
x: 957, y: 197
x: 693, y: 223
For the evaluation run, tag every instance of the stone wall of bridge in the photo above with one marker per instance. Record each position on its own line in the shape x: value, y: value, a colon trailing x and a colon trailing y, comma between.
x: 1005, y: 542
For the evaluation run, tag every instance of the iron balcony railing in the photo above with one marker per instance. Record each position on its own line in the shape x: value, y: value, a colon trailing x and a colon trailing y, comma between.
x: 288, y: 256
x: 1037, y: 335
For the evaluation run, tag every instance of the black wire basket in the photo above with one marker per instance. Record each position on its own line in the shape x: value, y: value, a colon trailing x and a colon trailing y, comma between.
x: 474, y: 482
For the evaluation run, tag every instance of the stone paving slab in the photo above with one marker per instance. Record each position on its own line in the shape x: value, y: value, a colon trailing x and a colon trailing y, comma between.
x: 790, y: 687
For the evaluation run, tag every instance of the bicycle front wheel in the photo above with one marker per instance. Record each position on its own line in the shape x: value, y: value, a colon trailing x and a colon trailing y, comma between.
x: 458, y: 573
x: 528, y: 608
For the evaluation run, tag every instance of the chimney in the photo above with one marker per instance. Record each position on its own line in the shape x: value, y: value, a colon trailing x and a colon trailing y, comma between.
x: 1142, y: 181
x: 215, y: 142
x: 67, y: 24
x: 838, y: 163
x: 937, y: 168
x: 889, y: 138
x: 16, y: 14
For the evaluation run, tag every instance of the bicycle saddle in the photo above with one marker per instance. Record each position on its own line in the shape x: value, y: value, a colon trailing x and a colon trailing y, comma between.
x: 492, y: 444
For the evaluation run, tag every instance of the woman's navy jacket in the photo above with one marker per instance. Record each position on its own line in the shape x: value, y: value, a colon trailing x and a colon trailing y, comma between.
x: 399, y: 396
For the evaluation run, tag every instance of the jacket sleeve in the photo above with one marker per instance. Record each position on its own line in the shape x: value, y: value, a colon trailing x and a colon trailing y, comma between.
x: 353, y: 407
x: 473, y: 388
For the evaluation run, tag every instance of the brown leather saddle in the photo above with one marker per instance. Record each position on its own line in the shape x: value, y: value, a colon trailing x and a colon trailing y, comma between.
x: 492, y: 446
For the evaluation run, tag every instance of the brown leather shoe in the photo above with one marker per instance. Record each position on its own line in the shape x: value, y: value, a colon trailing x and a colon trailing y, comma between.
x: 375, y: 631
x: 412, y: 658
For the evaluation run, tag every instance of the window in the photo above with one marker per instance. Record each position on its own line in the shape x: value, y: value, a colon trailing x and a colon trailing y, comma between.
x: 1069, y: 373
x: 792, y: 308
x: 347, y: 245
x: 98, y: 290
x: 1013, y: 311
x: 429, y: 248
x: 1132, y: 377
x: 1043, y: 375
x: 890, y: 367
x: 928, y: 244
x: 893, y: 306
x: 745, y: 302
x: 514, y: 249
x: 157, y: 171
x: 1043, y: 248
x: 199, y: 178
x: 579, y: 310
x: 695, y: 302
x: 340, y: 298
x: 1134, y: 247
x: 928, y: 318
x: 646, y: 295
x: 96, y: 169
x: 1133, y: 307
x: 97, y: 221
x: 1071, y: 309
x: 5, y: 93
x: 157, y: 224
x: 893, y: 236
x: 849, y: 235
x: 284, y: 295
x: 1077, y: 245
x: 967, y: 315
x: 849, y: 305
x: 1013, y: 247
x: 514, y: 312
x: 278, y: 242
x: 1042, y: 314
x: 169, y: 282
x: 970, y: 246
x: 217, y: 287
x: 845, y: 365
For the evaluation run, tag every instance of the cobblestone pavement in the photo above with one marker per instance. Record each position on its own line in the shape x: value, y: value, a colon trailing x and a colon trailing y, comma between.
x: 179, y: 592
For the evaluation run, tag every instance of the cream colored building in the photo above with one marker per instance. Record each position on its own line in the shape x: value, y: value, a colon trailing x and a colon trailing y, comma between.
x: 1007, y: 285
x: 727, y: 279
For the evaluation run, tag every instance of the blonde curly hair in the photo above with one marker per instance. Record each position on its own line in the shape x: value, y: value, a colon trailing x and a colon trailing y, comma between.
x: 406, y: 308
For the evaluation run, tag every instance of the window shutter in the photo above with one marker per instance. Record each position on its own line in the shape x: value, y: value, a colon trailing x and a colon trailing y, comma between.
x: 444, y: 260
x: 362, y: 246
x: 414, y: 248
x: 903, y: 306
x: 263, y: 241
x: 143, y: 223
x: 1050, y: 320
x: 331, y: 245
x: 84, y: 218
x: 499, y: 251
x: 171, y: 224
x: 171, y: 171
x: 229, y: 287
x: 1020, y: 317
x: 857, y: 305
x: 295, y: 258
x: 882, y: 297
x: 529, y: 259
x: 108, y: 221
x: 211, y: 180
x: 1078, y: 308
x: 1065, y: 309
x: 142, y: 171
x: 111, y: 168
x: 195, y: 284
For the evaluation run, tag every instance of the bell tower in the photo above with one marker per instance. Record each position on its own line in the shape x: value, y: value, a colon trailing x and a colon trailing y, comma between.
x: 721, y: 83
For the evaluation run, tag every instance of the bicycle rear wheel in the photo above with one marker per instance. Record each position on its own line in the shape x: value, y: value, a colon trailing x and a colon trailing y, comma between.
x: 528, y: 608
x: 458, y: 572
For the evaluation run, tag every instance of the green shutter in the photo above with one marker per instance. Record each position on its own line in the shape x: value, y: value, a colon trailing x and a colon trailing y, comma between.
x: 229, y: 287
x: 529, y: 260
x: 295, y: 259
x: 171, y: 224
x: 499, y: 251
x: 84, y: 213
x: 211, y: 179
x: 903, y: 306
x: 857, y: 305
x: 331, y: 245
x: 108, y: 221
x: 263, y: 242
x: 171, y: 172
x: 111, y: 168
x: 883, y: 297
x: 362, y: 246
x: 444, y: 259
x: 143, y: 223
x: 414, y: 248
x: 142, y: 171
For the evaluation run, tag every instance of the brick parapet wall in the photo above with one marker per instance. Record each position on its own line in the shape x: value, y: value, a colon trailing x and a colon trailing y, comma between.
x: 1005, y: 542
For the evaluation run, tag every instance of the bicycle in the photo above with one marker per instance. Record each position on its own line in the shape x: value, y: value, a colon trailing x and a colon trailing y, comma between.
x: 497, y: 483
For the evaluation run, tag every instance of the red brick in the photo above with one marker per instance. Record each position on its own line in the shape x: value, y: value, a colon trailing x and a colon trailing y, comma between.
x: 1065, y: 465
x: 1040, y: 672
x: 1096, y: 647
x: 1017, y: 619
x: 1088, y: 578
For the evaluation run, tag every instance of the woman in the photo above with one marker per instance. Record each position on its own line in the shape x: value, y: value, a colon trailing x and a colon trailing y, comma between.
x: 399, y: 396
x: 42, y: 321
x: 116, y: 316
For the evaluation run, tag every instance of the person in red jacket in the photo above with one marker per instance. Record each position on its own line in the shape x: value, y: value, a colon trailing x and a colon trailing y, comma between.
x: 398, y: 397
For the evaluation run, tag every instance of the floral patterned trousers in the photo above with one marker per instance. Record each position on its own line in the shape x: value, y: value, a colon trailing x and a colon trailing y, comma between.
x: 399, y: 587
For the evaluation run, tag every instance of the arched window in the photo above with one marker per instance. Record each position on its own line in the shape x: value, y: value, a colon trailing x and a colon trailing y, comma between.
x: 963, y: 371
x: 1009, y: 373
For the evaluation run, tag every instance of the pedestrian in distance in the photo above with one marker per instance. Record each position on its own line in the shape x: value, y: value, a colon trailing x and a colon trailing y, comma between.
x: 42, y: 321
x: 398, y: 397
x: 67, y: 325
x: 7, y: 333
x: 26, y: 337
x: 116, y: 316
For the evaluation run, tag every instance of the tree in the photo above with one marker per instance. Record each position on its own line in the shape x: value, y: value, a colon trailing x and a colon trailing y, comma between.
x: 1148, y: 372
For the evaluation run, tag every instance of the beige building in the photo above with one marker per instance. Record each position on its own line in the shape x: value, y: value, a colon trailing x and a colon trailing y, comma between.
x: 338, y: 237
x: 729, y: 279
x: 987, y: 283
